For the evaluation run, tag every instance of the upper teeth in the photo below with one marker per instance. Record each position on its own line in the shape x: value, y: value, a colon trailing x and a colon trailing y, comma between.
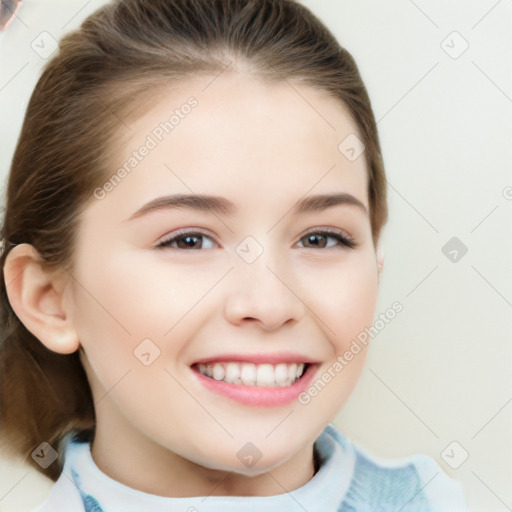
x: 251, y: 374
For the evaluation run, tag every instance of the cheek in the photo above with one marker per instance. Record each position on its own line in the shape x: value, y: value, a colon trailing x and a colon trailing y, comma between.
x: 346, y: 307
x: 123, y: 302
x: 121, y: 324
x: 129, y: 298
x: 344, y: 300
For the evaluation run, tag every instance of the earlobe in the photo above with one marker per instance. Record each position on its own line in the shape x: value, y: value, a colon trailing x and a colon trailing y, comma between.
x: 37, y: 298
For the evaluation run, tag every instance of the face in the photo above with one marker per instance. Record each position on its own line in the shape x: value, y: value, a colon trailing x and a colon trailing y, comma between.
x: 248, y: 279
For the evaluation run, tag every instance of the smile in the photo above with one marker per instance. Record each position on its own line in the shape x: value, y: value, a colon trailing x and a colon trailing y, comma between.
x: 255, y: 384
x: 250, y: 374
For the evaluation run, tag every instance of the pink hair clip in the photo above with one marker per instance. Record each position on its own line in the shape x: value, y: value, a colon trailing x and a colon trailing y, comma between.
x: 8, y: 10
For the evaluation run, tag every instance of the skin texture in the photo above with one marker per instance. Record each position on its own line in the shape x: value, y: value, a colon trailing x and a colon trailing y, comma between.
x: 262, y: 146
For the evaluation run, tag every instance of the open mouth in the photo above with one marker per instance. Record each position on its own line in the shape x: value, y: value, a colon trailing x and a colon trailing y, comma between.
x: 250, y: 374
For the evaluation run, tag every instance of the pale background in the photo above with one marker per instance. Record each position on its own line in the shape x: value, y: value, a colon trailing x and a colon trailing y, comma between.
x: 441, y: 370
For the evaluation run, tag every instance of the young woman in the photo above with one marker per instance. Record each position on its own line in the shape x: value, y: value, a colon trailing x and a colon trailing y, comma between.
x: 190, y: 253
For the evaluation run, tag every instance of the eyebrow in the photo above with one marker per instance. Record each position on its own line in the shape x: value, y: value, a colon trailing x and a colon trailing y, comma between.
x: 225, y: 207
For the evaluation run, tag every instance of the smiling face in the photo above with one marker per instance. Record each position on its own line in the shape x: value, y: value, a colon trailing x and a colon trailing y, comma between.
x: 244, y: 274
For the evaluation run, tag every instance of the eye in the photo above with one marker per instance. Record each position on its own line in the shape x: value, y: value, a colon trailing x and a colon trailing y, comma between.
x: 185, y: 240
x: 318, y: 239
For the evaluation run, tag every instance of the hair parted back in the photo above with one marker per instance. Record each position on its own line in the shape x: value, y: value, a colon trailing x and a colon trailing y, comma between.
x: 107, y: 71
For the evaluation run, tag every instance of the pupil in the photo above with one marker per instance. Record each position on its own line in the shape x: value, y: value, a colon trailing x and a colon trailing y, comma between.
x: 189, y: 240
x: 312, y: 239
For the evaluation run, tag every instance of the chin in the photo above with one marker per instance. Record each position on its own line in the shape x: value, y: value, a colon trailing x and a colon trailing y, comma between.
x: 246, y: 461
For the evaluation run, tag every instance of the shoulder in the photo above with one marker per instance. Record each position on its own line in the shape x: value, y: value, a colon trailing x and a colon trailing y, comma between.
x: 63, y: 497
x: 442, y: 492
x: 409, y: 484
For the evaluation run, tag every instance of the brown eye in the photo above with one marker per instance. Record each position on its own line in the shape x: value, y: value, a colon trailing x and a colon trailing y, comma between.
x: 187, y: 240
x: 319, y: 240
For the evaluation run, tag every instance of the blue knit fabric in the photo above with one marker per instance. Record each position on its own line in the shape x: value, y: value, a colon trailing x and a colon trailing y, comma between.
x: 379, y: 489
x: 90, y: 503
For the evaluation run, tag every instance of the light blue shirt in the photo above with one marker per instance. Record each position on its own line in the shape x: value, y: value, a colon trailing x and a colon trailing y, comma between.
x: 349, y: 479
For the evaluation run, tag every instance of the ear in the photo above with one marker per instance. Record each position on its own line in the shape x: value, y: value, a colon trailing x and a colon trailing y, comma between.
x: 39, y: 299
x: 380, y: 259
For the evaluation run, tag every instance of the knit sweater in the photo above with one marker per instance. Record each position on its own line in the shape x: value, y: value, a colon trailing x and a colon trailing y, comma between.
x: 349, y: 479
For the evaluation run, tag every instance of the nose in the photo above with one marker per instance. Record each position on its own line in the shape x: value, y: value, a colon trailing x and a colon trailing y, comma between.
x: 263, y: 293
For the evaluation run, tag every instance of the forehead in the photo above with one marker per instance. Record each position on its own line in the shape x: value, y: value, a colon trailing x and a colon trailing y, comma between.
x: 231, y: 133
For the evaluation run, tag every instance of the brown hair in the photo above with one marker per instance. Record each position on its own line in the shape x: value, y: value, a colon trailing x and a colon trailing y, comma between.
x: 105, y: 72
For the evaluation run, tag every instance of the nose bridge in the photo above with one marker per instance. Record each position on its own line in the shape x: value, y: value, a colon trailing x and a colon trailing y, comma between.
x: 262, y: 286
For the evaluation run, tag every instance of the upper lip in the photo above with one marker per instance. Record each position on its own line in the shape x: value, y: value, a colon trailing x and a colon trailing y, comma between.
x: 261, y: 358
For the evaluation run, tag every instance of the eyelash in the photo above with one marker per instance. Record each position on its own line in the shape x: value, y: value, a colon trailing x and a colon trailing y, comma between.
x: 343, y: 239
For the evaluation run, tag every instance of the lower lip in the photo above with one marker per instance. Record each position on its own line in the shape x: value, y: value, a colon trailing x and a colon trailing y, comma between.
x: 259, y: 396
